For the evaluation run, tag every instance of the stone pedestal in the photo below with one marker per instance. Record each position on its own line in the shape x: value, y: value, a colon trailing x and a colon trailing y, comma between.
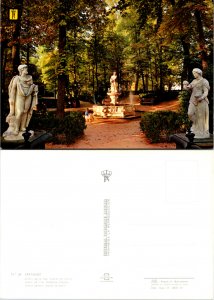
x: 182, y: 142
x: 120, y: 111
x: 37, y: 141
x: 113, y: 97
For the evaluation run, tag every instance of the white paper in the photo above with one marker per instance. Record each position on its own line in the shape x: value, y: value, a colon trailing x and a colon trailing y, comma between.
x: 145, y: 232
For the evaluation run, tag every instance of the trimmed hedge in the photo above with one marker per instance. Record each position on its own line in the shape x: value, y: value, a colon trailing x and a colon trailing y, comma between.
x: 65, y: 130
x: 159, y: 96
x: 44, y: 121
x: 72, y: 127
x: 184, y: 97
x: 158, y: 125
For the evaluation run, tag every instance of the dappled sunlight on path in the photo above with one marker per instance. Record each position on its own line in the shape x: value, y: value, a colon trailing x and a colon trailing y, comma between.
x: 119, y: 133
x: 113, y: 136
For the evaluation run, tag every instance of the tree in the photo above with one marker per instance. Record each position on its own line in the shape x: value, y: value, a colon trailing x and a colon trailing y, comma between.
x: 190, y: 24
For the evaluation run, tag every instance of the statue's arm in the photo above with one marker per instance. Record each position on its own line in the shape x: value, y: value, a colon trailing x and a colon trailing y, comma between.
x: 13, y: 88
x: 186, y: 85
x: 35, y: 94
x: 35, y: 88
x: 205, y: 93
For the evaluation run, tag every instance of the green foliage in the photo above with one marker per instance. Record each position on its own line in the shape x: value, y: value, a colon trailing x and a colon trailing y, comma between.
x: 4, y: 112
x: 149, y: 43
x: 160, y: 124
x: 159, y: 96
x: 44, y: 121
x: 47, y: 63
x: 72, y: 126
x: 65, y: 130
x: 184, y: 97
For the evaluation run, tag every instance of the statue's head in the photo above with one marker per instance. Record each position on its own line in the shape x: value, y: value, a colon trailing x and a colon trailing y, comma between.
x: 197, y: 70
x: 21, y: 68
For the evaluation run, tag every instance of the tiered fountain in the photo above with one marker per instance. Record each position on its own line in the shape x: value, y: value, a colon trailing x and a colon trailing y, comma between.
x: 111, y: 108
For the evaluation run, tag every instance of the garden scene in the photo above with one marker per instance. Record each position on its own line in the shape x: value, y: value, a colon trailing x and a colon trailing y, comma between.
x: 107, y: 74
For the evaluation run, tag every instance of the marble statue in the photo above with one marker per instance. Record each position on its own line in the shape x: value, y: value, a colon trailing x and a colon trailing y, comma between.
x: 198, y: 110
x: 113, y: 82
x: 112, y: 108
x: 113, y: 92
x: 22, y: 99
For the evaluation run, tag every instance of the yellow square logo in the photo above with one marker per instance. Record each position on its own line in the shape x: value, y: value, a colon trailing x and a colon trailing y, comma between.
x: 13, y: 14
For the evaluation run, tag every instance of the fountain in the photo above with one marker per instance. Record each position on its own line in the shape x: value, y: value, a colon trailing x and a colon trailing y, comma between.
x: 111, y: 108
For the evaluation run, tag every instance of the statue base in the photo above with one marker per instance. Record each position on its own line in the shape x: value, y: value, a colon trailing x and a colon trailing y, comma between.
x: 202, y: 136
x: 37, y: 141
x: 114, y: 111
x: 18, y: 137
x: 182, y: 142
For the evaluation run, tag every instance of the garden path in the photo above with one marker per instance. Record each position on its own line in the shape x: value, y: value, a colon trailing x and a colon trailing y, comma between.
x: 119, y: 133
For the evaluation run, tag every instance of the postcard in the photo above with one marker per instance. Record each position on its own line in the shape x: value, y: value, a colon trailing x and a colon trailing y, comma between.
x: 107, y: 161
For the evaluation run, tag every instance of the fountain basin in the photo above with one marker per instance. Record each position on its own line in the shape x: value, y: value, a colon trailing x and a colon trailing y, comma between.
x: 114, y: 111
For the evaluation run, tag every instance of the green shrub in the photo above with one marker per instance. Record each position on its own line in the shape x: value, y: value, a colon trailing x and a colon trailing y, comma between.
x: 64, y: 130
x: 44, y: 121
x: 152, y: 96
x: 158, y: 125
x: 184, y: 97
x: 159, y: 96
x: 72, y: 127
x: 4, y: 109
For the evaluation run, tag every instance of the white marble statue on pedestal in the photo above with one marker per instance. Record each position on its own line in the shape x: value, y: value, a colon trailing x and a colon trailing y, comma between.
x: 198, y: 110
x: 22, y: 99
x: 114, y: 92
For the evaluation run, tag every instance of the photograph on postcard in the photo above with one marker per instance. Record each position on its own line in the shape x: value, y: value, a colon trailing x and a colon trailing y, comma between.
x: 107, y: 74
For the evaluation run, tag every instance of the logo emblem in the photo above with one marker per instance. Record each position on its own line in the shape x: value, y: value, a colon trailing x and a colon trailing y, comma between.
x: 106, y: 277
x: 106, y: 174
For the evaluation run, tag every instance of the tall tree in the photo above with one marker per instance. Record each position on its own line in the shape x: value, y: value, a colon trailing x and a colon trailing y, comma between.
x: 16, y: 37
x: 62, y: 57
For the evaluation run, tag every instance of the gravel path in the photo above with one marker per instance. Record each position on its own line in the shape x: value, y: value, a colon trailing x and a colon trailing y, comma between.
x: 118, y: 133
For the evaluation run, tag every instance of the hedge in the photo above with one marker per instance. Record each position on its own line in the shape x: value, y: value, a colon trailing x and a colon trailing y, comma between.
x: 158, y: 125
x: 65, y: 130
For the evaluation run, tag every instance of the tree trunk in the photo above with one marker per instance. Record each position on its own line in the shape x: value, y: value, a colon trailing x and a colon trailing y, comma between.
x: 62, y: 75
x: 93, y: 81
x: 159, y: 14
x: 96, y: 76
x: 28, y: 54
x: 143, y: 80
x: 4, y: 53
x: 89, y: 75
x: 76, y: 90
x: 16, y: 39
x: 172, y: 2
x: 136, y: 81
x: 151, y: 76
x: 156, y: 87
x: 96, y: 62
x: 186, y: 72
x: 146, y: 88
x: 161, y: 69
x: 105, y: 77
x: 201, y: 39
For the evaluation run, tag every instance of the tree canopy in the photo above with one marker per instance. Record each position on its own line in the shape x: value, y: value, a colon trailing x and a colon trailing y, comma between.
x: 75, y: 45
